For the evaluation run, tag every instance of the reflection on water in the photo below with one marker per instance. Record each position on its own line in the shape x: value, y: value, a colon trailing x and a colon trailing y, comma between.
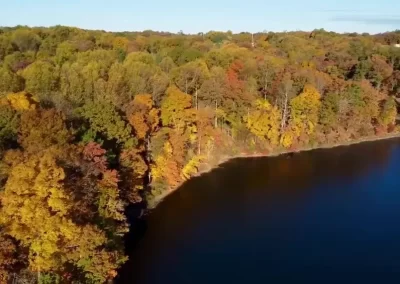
x: 325, y: 216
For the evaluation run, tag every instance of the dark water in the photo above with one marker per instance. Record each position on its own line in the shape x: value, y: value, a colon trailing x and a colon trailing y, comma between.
x: 326, y: 216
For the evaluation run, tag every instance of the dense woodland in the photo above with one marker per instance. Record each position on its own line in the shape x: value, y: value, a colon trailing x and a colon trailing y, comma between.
x: 92, y: 121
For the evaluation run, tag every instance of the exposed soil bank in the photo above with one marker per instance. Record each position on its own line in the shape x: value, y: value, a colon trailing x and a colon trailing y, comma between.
x: 223, y: 159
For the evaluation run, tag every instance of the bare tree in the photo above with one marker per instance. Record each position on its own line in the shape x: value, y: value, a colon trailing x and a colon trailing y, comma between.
x: 285, y: 94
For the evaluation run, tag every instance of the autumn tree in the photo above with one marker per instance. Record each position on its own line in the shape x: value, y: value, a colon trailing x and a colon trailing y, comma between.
x: 267, y: 67
x: 176, y: 108
x: 58, y: 240
x: 143, y: 77
x: 264, y: 121
x: 91, y: 121
x: 304, y: 111
x: 10, y: 257
x: 142, y: 115
x: 40, y: 129
x: 236, y: 97
x: 190, y: 77
x: 388, y: 113
x: 204, y: 128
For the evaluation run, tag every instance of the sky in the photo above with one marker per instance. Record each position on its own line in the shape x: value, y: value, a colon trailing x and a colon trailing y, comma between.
x: 372, y: 16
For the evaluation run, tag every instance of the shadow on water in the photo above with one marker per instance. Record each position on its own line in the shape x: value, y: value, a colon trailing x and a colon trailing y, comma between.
x: 305, y: 217
x: 137, y: 228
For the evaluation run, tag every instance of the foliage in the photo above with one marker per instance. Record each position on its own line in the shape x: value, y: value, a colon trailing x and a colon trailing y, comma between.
x: 20, y: 101
x: 58, y: 240
x: 305, y: 111
x: 91, y: 121
x: 176, y: 108
x: 264, y: 121
x: 142, y: 115
x: 40, y: 129
x: 25, y: 39
x: 388, y: 113
x: 9, y: 81
x: 40, y: 79
x: 191, y: 167
x: 104, y: 118
x: 9, y: 122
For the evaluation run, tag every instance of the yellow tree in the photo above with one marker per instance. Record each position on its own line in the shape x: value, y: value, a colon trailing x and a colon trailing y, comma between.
x: 19, y: 101
x: 36, y: 210
x: 176, y: 108
x: 304, y: 111
x: 33, y: 195
x: 264, y: 121
x: 120, y: 43
x: 167, y: 166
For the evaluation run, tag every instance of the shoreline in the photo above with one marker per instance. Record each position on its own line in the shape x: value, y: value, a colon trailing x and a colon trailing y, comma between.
x: 160, y: 198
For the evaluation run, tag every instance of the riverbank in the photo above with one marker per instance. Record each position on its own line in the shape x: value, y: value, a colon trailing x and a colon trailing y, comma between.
x: 224, y: 159
x: 282, y: 208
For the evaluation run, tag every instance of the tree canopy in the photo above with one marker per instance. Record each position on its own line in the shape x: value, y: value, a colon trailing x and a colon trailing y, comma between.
x: 92, y: 122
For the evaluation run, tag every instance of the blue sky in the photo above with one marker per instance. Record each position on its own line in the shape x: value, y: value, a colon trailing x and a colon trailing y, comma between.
x: 195, y: 16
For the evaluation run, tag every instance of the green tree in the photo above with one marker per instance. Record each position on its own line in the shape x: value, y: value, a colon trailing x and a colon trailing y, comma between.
x: 5, y: 46
x: 25, y: 40
x: 388, y: 114
x: 41, y: 79
x: 10, y: 82
x: 9, y: 122
x: 65, y: 51
x: 104, y: 118
x: 190, y: 77
x: 18, y: 60
x: 329, y: 115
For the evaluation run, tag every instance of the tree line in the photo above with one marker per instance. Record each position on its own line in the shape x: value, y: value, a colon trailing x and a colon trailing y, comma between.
x: 92, y: 121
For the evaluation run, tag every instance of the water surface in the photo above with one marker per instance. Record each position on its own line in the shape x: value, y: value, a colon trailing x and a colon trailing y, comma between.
x: 325, y: 216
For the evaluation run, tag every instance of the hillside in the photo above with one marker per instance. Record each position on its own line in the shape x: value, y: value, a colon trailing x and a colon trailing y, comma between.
x: 93, y: 121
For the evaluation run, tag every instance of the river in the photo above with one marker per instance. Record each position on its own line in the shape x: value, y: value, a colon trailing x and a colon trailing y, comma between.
x: 323, y: 216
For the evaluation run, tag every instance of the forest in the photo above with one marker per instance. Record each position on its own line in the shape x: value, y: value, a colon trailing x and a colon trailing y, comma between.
x: 93, y: 121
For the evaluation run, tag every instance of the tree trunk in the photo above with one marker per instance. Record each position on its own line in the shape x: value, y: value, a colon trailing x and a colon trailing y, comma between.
x: 199, y: 145
x: 216, y: 117
x: 197, y: 104
x: 284, y: 115
x: 265, y: 86
x: 148, y: 158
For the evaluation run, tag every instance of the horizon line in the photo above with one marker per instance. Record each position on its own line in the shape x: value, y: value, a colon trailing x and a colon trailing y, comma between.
x: 195, y: 33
